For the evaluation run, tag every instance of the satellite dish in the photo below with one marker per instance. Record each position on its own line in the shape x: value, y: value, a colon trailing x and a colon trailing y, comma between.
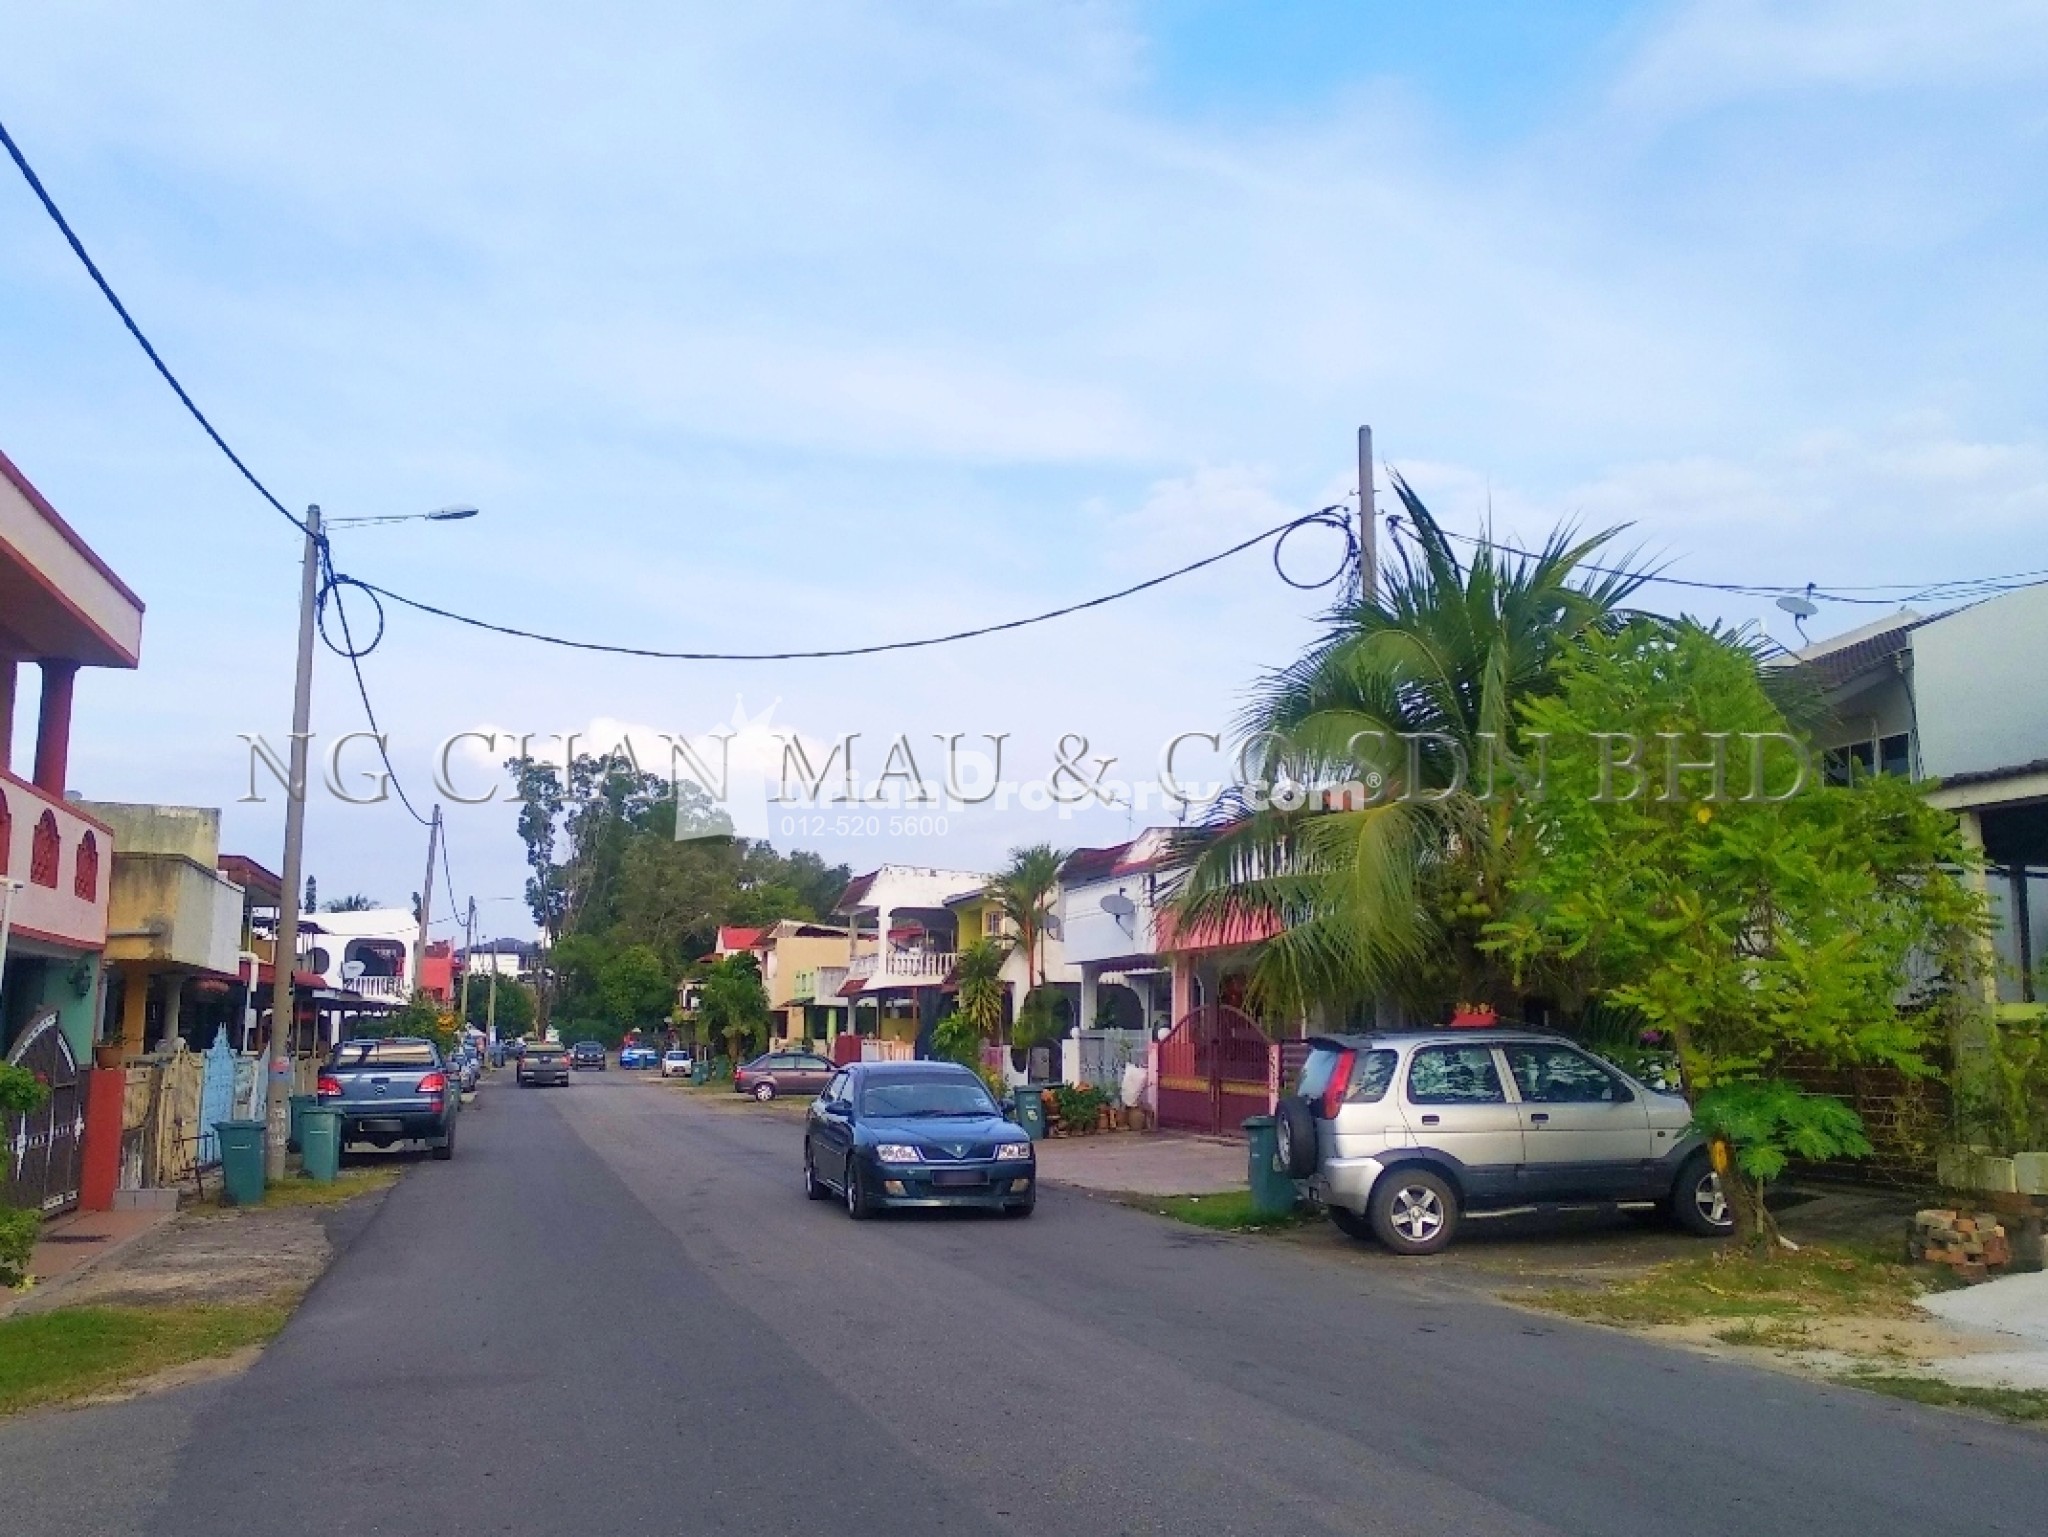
x: 1121, y: 908
x: 1051, y: 925
x: 351, y: 971
x: 1800, y: 608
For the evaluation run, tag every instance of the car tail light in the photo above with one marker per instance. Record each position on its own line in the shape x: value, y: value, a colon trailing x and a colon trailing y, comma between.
x: 1339, y: 1084
x: 433, y: 1084
x: 327, y: 1088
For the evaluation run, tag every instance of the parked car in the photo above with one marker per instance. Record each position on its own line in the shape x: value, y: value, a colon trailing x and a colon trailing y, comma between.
x: 783, y: 1072
x: 677, y: 1062
x: 1401, y: 1136
x: 638, y: 1058
x: 391, y: 1091
x: 465, y: 1063
x: 886, y: 1134
x: 542, y: 1064
x: 587, y: 1054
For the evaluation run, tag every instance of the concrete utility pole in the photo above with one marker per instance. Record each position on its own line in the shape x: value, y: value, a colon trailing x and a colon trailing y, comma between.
x: 277, y: 1101
x: 1368, y: 546
x: 419, y: 944
x: 491, y: 1001
x: 468, y: 959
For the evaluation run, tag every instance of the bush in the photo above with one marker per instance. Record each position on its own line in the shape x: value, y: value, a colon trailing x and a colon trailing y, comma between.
x: 1078, y: 1108
x: 955, y: 1040
x: 17, y: 1243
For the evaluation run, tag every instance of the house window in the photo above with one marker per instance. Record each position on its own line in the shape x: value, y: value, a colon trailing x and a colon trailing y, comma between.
x: 1890, y: 755
x: 1894, y: 756
x: 992, y: 922
x: 44, y: 852
x: 85, y: 881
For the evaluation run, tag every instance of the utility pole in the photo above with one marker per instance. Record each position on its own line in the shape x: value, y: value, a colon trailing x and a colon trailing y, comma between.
x: 468, y: 959
x: 1368, y: 546
x: 491, y: 1001
x: 277, y: 1101
x: 419, y: 944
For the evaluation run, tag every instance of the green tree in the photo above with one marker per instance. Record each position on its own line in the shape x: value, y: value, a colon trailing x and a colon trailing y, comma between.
x: 356, y: 902
x: 516, y: 1006
x: 1391, y: 750
x: 1025, y: 890
x: 634, y: 986
x: 978, y: 972
x: 1748, y: 927
x: 20, y: 1092
x: 422, y: 1015
x: 732, y: 1005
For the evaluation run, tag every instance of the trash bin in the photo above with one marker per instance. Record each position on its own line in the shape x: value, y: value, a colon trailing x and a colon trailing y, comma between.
x: 1031, y: 1110
x: 320, y: 1144
x: 300, y: 1104
x: 241, y: 1162
x: 1272, y: 1187
x: 700, y: 1071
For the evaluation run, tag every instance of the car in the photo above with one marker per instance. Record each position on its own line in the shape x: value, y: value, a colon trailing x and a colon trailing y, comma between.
x: 677, y: 1062
x: 638, y: 1057
x: 468, y: 1065
x: 587, y: 1054
x: 1402, y: 1135
x: 542, y: 1064
x: 914, y: 1134
x: 783, y: 1072
x: 392, y: 1090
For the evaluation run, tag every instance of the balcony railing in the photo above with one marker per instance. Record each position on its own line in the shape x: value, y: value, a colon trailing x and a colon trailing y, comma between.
x: 378, y: 987
x: 906, y: 965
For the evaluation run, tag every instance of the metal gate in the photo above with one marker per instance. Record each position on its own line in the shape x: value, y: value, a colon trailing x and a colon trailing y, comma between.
x: 1214, y: 1070
x: 45, y: 1146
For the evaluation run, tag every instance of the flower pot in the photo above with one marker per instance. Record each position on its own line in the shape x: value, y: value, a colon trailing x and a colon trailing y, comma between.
x: 108, y: 1054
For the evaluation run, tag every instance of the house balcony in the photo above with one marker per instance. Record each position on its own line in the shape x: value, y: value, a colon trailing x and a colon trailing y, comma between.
x: 902, y: 968
x: 389, y: 988
x: 63, y: 860
x: 168, y: 910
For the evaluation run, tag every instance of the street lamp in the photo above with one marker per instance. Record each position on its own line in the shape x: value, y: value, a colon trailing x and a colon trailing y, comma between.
x: 277, y: 1099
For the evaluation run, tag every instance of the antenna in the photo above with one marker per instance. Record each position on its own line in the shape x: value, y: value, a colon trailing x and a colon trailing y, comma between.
x: 1801, y: 609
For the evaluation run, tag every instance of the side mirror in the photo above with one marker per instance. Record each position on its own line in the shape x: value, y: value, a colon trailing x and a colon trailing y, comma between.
x: 1008, y: 1105
x: 838, y: 1109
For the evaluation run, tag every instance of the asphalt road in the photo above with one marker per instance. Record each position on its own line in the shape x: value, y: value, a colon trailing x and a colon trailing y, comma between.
x: 614, y: 1312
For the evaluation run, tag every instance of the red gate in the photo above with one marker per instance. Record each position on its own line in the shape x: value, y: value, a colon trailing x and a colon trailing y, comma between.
x: 46, y: 1144
x: 1214, y: 1068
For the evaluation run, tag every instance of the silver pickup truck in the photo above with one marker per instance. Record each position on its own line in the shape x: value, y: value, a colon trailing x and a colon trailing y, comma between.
x: 390, y: 1091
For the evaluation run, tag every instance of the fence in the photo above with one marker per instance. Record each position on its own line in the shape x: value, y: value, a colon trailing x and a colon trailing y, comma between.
x: 172, y: 1101
x: 1099, y: 1057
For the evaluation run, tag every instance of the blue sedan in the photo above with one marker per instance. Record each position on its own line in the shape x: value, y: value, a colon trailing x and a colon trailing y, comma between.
x: 643, y: 1057
x: 892, y: 1134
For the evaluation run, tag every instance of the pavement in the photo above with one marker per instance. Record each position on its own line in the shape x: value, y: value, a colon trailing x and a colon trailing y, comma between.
x: 70, y: 1246
x: 1145, y: 1163
x: 614, y: 1312
x: 2014, y: 1306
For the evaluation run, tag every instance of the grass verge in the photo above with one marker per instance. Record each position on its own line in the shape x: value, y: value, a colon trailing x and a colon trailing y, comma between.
x: 1229, y: 1212
x: 2025, y: 1406
x: 1814, y: 1283
x: 70, y: 1353
x: 297, y: 1190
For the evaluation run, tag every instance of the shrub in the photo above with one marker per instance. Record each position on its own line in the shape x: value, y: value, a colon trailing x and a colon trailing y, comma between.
x: 20, y: 1092
x: 1078, y: 1108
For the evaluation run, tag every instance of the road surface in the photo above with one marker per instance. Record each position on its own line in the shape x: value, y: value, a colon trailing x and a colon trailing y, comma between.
x: 613, y: 1313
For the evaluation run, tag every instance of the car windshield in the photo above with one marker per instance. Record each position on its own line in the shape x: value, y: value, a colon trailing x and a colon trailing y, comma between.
x: 925, y: 1096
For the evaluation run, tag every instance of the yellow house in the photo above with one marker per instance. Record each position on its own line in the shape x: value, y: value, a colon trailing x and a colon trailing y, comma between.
x: 802, y: 968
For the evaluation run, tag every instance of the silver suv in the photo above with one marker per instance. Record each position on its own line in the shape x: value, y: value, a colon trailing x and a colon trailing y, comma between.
x: 1401, y: 1135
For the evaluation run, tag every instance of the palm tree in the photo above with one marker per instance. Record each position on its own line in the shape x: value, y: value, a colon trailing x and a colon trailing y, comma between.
x: 1409, y: 702
x: 358, y: 903
x: 978, y: 972
x: 1024, y: 892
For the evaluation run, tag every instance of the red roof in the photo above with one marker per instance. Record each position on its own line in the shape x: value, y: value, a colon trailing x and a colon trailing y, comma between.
x: 856, y: 892
x: 731, y: 939
x: 1212, y: 935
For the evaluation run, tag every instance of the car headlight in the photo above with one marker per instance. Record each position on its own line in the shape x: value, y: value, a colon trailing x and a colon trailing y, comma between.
x: 898, y: 1152
x: 1012, y: 1152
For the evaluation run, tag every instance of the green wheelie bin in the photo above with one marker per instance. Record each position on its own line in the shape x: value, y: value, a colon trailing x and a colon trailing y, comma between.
x: 320, y: 1144
x: 300, y: 1104
x: 1272, y: 1187
x: 241, y: 1162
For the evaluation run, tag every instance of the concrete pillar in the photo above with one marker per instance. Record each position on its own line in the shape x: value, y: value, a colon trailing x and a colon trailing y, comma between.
x: 100, y: 1159
x: 174, y: 1004
x: 9, y: 672
x: 53, y: 727
x: 1091, y: 976
x: 134, y: 1010
x: 1970, y: 1028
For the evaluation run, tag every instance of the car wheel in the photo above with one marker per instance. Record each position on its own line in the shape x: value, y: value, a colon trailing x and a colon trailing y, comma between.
x: 857, y: 1206
x: 814, y: 1188
x: 1296, y: 1133
x: 764, y: 1091
x: 1349, y: 1223
x: 1413, y: 1211
x: 1698, y: 1203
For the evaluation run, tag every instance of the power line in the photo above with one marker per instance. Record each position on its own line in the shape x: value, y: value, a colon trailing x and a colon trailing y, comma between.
x: 355, y: 665
x: 56, y: 214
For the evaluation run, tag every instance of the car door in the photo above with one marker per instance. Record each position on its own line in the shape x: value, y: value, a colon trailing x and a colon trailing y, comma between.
x: 811, y: 1074
x: 832, y: 1125
x: 1454, y: 1099
x: 1586, y: 1132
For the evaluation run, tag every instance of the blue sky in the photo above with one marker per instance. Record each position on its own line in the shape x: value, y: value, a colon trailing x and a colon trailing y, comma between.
x: 795, y: 325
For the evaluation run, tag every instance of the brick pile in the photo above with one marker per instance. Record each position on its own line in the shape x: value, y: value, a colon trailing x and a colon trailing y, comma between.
x: 1972, y: 1244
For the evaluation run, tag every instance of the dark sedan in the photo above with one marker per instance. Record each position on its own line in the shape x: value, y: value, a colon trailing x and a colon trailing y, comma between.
x: 587, y: 1054
x: 888, y: 1134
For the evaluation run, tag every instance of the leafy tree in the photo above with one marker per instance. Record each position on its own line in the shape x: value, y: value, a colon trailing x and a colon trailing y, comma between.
x: 1025, y: 891
x: 355, y: 902
x: 955, y: 1038
x: 422, y: 1015
x: 732, y: 1005
x: 1748, y: 930
x: 635, y: 987
x: 1379, y: 858
x: 978, y: 971
x: 516, y: 1006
